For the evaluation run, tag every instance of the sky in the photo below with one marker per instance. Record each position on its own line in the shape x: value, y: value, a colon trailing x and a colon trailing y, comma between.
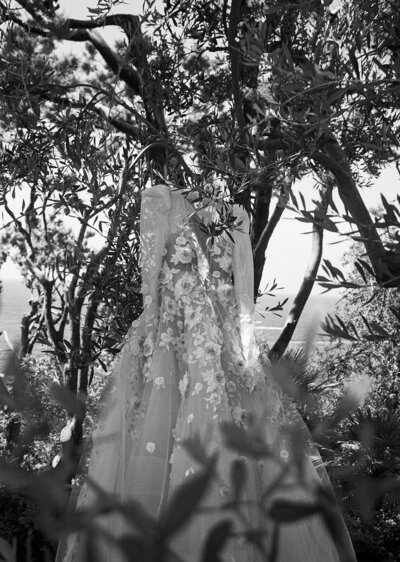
x: 290, y: 246
x: 289, y: 249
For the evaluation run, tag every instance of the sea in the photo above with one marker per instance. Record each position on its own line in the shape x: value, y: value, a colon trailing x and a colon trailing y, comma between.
x: 14, y: 303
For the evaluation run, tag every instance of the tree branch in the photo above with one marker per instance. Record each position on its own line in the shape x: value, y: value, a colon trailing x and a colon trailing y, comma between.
x: 128, y: 22
x: 53, y: 333
x: 334, y: 159
x: 115, y: 62
x: 263, y: 241
x: 279, y: 143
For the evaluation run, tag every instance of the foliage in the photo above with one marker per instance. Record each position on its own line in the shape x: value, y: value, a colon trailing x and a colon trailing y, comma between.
x: 19, y: 523
x: 365, y: 345
x: 29, y: 408
x: 32, y: 423
x: 376, y: 541
x: 240, y: 97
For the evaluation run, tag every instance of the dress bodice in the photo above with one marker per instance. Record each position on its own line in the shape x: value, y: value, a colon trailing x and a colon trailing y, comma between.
x: 192, y: 265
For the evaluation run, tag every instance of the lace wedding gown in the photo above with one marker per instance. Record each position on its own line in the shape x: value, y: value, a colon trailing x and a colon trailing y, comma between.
x: 189, y: 363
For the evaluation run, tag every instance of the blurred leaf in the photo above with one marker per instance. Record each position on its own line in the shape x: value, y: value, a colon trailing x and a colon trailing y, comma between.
x: 284, y: 373
x: 135, y: 513
x: 275, y: 542
x: 92, y: 551
x: 298, y: 443
x: 67, y: 399
x: 349, y: 402
x: 14, y: 477
x: 185, y: 501
x: 8, y: 552
x: 196, y: 449
x: 238, y: 477
x: 215, y: 541
x: 135, y: 548
x: 244, y: 442
x: 132, y: 510
x: 287, y: 511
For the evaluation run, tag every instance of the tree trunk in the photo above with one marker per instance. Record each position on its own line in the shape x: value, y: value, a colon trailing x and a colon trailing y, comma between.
x: 281, y: 344
x: 261, y: 240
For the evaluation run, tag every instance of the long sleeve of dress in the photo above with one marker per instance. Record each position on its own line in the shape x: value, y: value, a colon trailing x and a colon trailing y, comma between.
x: 154, y: 229
x: 243, y: 275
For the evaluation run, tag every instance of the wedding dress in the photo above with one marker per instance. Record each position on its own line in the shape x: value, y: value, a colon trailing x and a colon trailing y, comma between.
x: 189, y: 363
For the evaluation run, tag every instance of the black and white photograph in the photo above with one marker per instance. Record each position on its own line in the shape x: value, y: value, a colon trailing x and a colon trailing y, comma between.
x: 199, y: 281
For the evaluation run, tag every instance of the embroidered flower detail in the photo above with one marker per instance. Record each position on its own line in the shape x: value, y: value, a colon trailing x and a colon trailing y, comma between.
x: 214, y: 400
x: 224, y: 262
x: 192, y: 316
x: 159, y: 382
x: 166, y: 275
x: 284, y: 455
x: 170, y: 308
x: 197, y: 388
x: 184, y: 285
x: 148, y: 345
x: 212, y: 350
x: 181, y: 240
x: 230, y: 386
x: 224, y: 492
x: 224, y: 291
x: 237, y: 413
x: 198, y: 339
x: 148, y: 300
x: 150, y: 447
x: 166, y: 340
x: 190, y: 418
x: 133, y: 343
x: 183, y: 384
x: 189, y: 471
x: 216, y: 250
x: 240, y: 365
x: 183, y: 254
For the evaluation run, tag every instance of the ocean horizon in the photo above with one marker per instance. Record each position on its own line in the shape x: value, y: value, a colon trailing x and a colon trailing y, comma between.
x: 14, y: 303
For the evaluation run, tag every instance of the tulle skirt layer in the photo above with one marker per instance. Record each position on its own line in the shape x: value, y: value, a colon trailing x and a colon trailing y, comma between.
x: 139, y: 454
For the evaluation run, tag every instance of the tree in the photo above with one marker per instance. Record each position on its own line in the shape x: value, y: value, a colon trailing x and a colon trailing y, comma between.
x: 247, y: 94
x: 85, y: 297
